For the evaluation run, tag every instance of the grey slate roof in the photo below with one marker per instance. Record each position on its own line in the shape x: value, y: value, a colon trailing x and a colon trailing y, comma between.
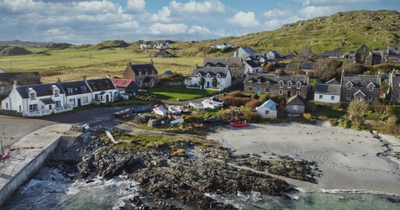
x: 76, y: 86
x: 296, y: 100
x: 333, y: 53
x: 333, y: 82
x: 227, y: 61
x: 274, y: 79
x: 252, y: 63
x: 40, y: 89
x: 166, y: 73
x: 292, y: 52
x: 100, y: 84
x: 270, y: 104
x: 213, y: 71
x: 308, y: 66
x: 327, y: 89
x: 361, y: 80
x: 249, y: 50
x: 47, y: 101
x: 143, y: 67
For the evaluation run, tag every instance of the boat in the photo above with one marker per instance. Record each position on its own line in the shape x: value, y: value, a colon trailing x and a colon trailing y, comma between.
x: 160, y: 111
x: 239, y: 124
x: 197, y: 106
x: 213, y: 103
x: 175, y: 109
x: 177, y: 121
x: 122, y: 113
x: 142, y: 109
x: 214, y: 120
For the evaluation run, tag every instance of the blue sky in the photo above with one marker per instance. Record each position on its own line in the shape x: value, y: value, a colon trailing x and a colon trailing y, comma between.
x: 85, y: 21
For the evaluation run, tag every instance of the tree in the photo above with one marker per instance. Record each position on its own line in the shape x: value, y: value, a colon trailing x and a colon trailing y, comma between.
x: 391, y: 125
x: 214, y: 82
x: 357, y: 110
x: 202, y: 81
x: 27, y: 79
x: 326, y: 68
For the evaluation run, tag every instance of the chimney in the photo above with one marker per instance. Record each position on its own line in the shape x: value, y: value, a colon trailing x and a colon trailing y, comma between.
x: 128, y: 63
x: 196, y: 66
x: 85, y: 79
x: 58, y: 81
x: 151, y: 61
x: 108, y: 76
x: 15, y: 85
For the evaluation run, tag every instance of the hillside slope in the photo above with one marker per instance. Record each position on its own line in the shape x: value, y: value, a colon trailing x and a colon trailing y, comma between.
x: 341, y: 31
x: 14, y: 50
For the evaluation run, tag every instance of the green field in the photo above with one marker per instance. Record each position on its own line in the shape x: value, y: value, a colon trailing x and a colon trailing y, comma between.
x: 173, y: 93
x: 72, y: 63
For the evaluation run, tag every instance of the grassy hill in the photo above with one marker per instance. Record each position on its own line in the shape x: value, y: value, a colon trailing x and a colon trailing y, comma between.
x: 14, y: 50
x: 342, y: 31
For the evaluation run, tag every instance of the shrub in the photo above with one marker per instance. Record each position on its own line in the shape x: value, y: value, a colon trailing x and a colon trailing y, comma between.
x: 235, y: 101
x: 391, y: 126
x: 263, y: 98
x: 344, y: 123
x: 252, y: 117
x: 236, y: 94
x: 253, y: 104
x: 311, y: 107
x: 256, y: 96
x: 393, y: 110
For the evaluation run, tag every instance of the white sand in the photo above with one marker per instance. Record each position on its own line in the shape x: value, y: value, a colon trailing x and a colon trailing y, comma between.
x: 348, y: 159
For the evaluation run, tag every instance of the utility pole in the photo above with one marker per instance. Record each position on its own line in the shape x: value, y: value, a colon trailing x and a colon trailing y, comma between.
x: 11, y: 64
x: 90, y: 58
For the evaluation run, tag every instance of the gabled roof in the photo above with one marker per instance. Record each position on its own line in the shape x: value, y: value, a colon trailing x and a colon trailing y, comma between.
x: 274, y: 52
x: 274, y: 79
x: 306, y: 52
x: 361, y: 80
x: 249, y: 50
x: 270, y: 104
x: 333, y: 82
x: 75, y: 87
x: 252, y: 64
x: 163, y: 53
x: 296, y: 100
x: 166, y: 73
x: 308, y: 66
x: 213, y: 71
x: 333, y: 53
x: 143, y: 68
x: 327, y: 89
x: 358, y: 92
x: 40, y: 89
x: 100, y: 84
x: 292, y: 52
x: 124, y: 83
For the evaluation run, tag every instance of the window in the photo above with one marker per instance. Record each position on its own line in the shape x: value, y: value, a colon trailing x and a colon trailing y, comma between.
x: 6, y: 105
x: 370, y: 98
x: 259, y: 81
x: 33, y: 107
x: 55, y: 93
x: 32, y: 96
x: 281, y: 84
x: 267, y: 112
x: 250, y: 89
x: 70, y: 90
x: 267, y: 83
x: 360, y: 99
x: 348, y: 97
x: 295, y: 107
x: 140, y: 83
x: 218, y: 83
x: 85, y: 100
x: 280, y: 92
x: 72, y: 101
x: 289, y: 85
x: 349, y: 87
x: 320, y: 96
x: 152, y: 83
x: 58, y: 103
x: 83, y: 89
x: 332, y: 98
x: 298, y: 85
x: 298, y: 93
x: 371, y: 88
x: 266, y: 90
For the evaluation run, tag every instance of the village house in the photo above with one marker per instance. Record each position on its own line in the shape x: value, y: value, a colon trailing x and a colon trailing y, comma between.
x: 360, y: 88
x: 147, y: 45
x: 292, y: 54
x: 328, y: 92
x: 393, y: 95
x: 221, y: 74
x: 267, y: 109
x: 363, y: 55
x: 305, y: 55
x: 77, y: 93
x: 144, y: 75
x: 103, y: 90
x: 222, y: 46
x: 126, y: 86
x: 236, y: 65
x: 162, y: 45
x: 277, y: 85
x: 333, y: 54
x: 2, y: 71
x: 36, y: 100
x: 273, y: 55
x: 296, y: 105
x: 309, y: 68
x: 244, y: 53
x: 251, y: 67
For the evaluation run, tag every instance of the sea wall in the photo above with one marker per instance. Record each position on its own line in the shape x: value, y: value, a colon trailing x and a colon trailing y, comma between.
x: 27, y: 157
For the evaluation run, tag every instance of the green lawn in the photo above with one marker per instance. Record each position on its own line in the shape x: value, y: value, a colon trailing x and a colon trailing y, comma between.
x: 328, y: 112
x: 172, y: 93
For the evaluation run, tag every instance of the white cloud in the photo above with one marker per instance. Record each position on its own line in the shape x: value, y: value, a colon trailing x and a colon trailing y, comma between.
x: 164, y: 15
x: 205, y: 7
x: 244, y: 20
x: 276, y: 13
x: 335, y: 2
x: 168, y: 29
x: 317, y: 11
x: 135, y: 6
x: 199, y: 30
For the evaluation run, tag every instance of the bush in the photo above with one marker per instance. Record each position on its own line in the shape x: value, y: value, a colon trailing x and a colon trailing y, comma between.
x: 393, y: 110
x: 235, y: 101
x: 344, y: 123
x: 237, y: 94
x: 256, y: 96
x: 253, y: 104
x: 263, y: 98
x: 391, y: 126
x: 311, y: 107
x: 252, y: 117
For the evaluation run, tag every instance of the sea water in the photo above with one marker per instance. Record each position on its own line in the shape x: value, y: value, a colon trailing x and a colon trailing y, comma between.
x: 103, y: 194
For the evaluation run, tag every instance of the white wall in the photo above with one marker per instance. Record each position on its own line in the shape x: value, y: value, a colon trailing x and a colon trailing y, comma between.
x: 80, y: 96
x: 261, y: 112
x: 326, y: 98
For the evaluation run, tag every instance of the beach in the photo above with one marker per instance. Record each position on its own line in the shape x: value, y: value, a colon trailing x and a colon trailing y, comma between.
x: 347, y: 158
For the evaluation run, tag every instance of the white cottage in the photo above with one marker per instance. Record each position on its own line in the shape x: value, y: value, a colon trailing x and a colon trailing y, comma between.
x: 145, y: 46
x: 267, y: 109
x: 221, y: 74
x: 77, y: 93
x: 328, y: 93
x: 103, y: 90
x: 222, y: 46
x: 36, y: 100
x: 251, y: 67
x: 162, y: 45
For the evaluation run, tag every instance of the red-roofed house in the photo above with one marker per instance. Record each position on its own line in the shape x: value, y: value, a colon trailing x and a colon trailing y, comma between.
x: 125, y: 86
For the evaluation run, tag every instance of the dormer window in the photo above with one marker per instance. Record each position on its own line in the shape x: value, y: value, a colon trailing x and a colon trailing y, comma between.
x: 371, y: 88
x: 289, y: 85
x: 281, y: 84
x: 259, y: 81
x: 267, y: 83
x: 32, y: 96
x: 70, y: 90
x: 349, y: 86
x: 250, y: 82
x: 298, y: 85
x: 199, y: 75
x: 83, y: 89
x: 208, y: 75
x: 55, y: 92
x: 218, y: 76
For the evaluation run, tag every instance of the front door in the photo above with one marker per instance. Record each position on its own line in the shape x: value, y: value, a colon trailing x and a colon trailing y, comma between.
x: 208, y: 84
x: 107, y: 98
x: 289, y: 94
x: 50, y: 107
x: 258, y: 91
x: 79, y: 102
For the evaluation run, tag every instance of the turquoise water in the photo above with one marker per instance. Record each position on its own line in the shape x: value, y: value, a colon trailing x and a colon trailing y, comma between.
x: 111, y: 194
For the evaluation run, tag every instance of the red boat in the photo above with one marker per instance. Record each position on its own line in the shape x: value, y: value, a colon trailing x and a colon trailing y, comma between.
x: 240, y: 124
